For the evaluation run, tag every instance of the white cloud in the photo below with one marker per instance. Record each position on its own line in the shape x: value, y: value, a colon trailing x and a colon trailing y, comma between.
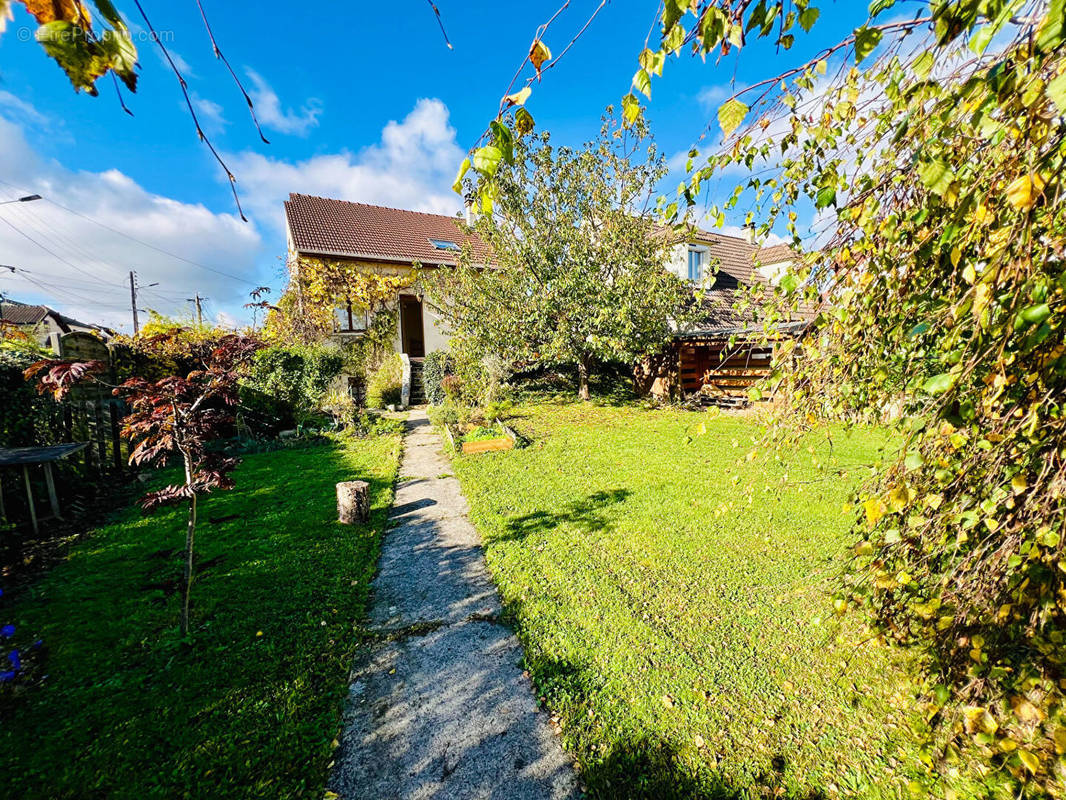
x: 412, y: 167
x: 211, y: 115
x: 15, y: 106
x: 86, y: 273
x: 710, y: 97
x: 271, y: 114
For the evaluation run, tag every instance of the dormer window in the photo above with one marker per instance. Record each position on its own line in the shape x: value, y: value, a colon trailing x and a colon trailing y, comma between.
x: 697, y: 262
x: 444, y: 244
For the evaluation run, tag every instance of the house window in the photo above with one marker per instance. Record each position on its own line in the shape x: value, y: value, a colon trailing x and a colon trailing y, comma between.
x: 349, y: 319
x: 444, y: 244
x: 696, y: 260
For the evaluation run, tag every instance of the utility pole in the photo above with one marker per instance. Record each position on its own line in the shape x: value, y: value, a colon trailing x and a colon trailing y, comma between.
x: 199, y: 308
x: 133, y: 299
x: 133, y: 302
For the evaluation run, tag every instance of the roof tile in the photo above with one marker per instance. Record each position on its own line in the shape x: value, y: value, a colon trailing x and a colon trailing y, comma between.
x: 357, y: 230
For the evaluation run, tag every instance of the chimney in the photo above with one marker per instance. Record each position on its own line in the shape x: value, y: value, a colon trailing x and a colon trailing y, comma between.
x: 470, y: 215
x: 749, y: 232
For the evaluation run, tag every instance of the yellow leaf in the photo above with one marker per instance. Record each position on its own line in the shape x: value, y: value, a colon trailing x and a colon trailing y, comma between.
x: 699, y: 741
x: 519, y: 98
x: 1031, y: 762
x: 875, y: 510
x: 899, y: 498
x: 1018, y: 483
x: 1023, y: 192
x: 538, y: 55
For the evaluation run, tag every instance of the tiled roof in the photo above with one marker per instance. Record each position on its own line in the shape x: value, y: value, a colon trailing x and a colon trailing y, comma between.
x: 22, y: 314
x: 357, y: 230
x: 16, y: 313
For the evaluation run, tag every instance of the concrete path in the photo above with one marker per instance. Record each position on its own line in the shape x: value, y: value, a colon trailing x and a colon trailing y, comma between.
x: 439, y: 706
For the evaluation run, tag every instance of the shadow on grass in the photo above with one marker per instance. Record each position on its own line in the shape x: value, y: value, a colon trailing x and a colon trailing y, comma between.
x: 249, y: 705
x: 586, y: 515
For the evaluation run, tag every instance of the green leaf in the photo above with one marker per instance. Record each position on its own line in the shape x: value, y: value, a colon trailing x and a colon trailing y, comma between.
x: 503, y: 139
x: 808, y: 17
x: 936, y: 176
x: 731, y: 114
x: 789, y: 283
x: 652, y: 62
x: 630, y: 108
x: 1053, y: 29
x: 979, y: 41
x: 110, y: 13
x: 642, y: 83
x: 523, y: 122
x: 713, y: 27
x: 457, y: 187
x: 72, y: 49
x: 1034, y: 315
x: 826, y: 197
x: 1056, y: 92
x: 880, y: 6
x: 939, y: 384
x: 923, y: 64
x: 487, y: 160
x: 866, y: 41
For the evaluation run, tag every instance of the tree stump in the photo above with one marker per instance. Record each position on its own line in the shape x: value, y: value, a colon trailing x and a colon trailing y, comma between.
x: 353, y: 502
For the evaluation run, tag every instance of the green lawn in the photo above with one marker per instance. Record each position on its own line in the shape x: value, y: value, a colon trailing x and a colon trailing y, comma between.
x: 251, y: 708
x: 684, y: 635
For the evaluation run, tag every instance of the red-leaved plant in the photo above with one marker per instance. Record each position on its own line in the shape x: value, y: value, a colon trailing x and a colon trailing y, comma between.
x: 173, y: 417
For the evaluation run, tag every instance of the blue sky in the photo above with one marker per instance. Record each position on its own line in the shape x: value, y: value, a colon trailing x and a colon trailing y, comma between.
x: 368, y: 106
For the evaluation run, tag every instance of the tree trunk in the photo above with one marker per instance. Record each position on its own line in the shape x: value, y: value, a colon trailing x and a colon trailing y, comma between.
x: 583, y: 378
x: 190, y: 537
x: 353, y: 502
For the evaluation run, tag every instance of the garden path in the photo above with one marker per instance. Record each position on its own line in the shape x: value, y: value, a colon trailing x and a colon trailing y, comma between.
x: 439, y: 706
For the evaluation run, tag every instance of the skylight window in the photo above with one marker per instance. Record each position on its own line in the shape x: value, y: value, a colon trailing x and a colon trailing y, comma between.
x: 444, y: 244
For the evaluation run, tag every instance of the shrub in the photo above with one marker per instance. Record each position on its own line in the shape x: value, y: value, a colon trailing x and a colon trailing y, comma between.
x: 452, y: 386
x: 386, y: 384
x: 26, y: 417
x: 341, y: 406
x: 299, y: 376
x: 437, y: 366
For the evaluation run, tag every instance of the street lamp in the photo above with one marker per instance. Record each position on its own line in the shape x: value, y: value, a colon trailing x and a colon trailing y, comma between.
x: 27, y: 199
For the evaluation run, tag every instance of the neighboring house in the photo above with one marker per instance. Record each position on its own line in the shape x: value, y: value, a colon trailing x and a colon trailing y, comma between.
x: 42, y: 322
x: 725, y: 355
x: 391, y: 241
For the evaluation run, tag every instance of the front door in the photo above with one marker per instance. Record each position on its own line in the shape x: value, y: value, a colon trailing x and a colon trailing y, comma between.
x: 412, y: 336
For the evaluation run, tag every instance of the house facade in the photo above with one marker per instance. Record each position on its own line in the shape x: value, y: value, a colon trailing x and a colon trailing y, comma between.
x: 391, y: 241
x: 388, y: 241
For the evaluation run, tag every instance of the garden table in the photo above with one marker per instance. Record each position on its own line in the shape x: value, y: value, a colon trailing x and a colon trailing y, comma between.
x: 27, y: 457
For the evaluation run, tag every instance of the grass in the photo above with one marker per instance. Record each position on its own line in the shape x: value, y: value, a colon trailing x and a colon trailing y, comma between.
x: 675, y: 606
x: 251, y: 707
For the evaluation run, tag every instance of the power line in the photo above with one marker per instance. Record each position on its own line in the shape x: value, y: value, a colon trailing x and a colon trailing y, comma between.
x: 141, y: 242
x: 51, y: 232
x: 243, y: 281
x: 46, y: 249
